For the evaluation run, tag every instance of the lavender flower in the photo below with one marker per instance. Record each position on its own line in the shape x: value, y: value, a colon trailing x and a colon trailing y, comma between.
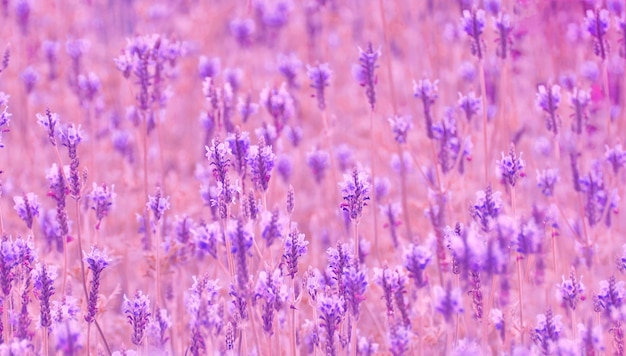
x: 616, y: 156
x: 400, y: 126
x: 470, y: 105
x: 157, y: 329
x: 511, y: 167
x: 205, y: 238
x: 273, y: 291
x: 239, y: 145
x: 318, y: 161
x: 399, y: 340
x: 428, y: 92
x: 590, y: 338
x: 242, y: 241
x: 355, y: 284
x: 528, y: 238
x: 27, y: 208
x: 279, y: 104
x: 29, y: 77
x: 547, y: 332
x: 366, y: 348
x: 598, y: 199
x: 97, y: 261
x: 70, y: 136
x: 331, y: 311
x: 487, y: 207
x: 579, y: 100
x: 49, y: 121
x: 548, y: 100
x: 243, y: 30
x: 272, y: 227
x: 448, y: 301
x: 43, y: 278
x: 610, y: 298
x: 101, y: 199
x: 208, y: 68
x: 138, y: 314
x: 158, y: 204
x: 416, y: 259
x: 570, y: 291
x: 473, y: 24
x: 261, y: 162
x: 597, y: 24
x: 355, y: 191
x: 502, y: 25
x: 246, y: 107
x: 320, y: 78
x: 546, y: 179
x: 289, y: 66
x: 295, y: 248
x: 365, y: 72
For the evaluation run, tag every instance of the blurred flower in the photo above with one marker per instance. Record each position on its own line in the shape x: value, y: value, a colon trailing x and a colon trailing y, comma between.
x: 365, y: 72
x: 570, y: 291
x: 473, y: 24
x: 101, y: 200
x: 597, y: 24
x: 319, y: 161
x: 447, y: 301
x: 260, y: 159
x: 548, y: 100
x: 428, y: 92
x: 400, y: 126
x: 320, y: 78
x: 546, y: 179
x: 27, y: 208
x: 547, y: 332
x: 470, y: 105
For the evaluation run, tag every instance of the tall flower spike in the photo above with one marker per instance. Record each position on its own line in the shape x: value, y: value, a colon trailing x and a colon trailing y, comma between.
x: 511, y: 167
x: 261, y: 162
x: 318, y: 160
x: 570, y: 291
x: 416, y: 258
x: 470, y: 105
x: 295, y: 247
x: 579, y: 100
x: 473, y: 24
x: 355, y: 191
x: 138, y: 313
x: 597, y: 24
x: 548, y: 100
x: 43, y: 278
x: 546, y: 180
x: 502, y: 25
x: 331, y: 313
x: 365, y: 73
x: 320, y: 78
x: 448, y: 302
x: 428, y: 92
x: 97, y: 261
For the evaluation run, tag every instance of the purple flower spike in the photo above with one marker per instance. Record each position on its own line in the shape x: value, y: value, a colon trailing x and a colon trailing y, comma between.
x: 473, y: 24
x: 158, y: 204
x: 365, y: 72
x: 546, y: 180
x: 138, y: 314
x: 428, y: 92
x: 27, y: 208
x: 548, y: 100
x: 570, y: 291
x: 320, y: 78
x: 261, y: 162
x: 318, y: 161
x: 448, y: 301
x: 470, y: 105
x: 355, y: 191
x: 97, y: 261
x: 101, y: 200
x: 416, y: 258
x: 43, y: 278
x: 331, y: 312
x: 295, y: 248
x: 597, y: 24
x: 511, y: 167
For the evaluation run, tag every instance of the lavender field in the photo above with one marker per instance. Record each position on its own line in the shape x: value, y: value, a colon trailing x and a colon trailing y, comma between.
x: 315, y: 177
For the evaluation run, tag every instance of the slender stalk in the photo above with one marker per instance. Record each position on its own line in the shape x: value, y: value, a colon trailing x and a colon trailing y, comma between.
x: 405, y: 205
x: 374, y: 198
x: 44, y: 332
x: 355, y: 343
x: 293, y: 318
x: 483, y: 90
x: 605, y: 80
